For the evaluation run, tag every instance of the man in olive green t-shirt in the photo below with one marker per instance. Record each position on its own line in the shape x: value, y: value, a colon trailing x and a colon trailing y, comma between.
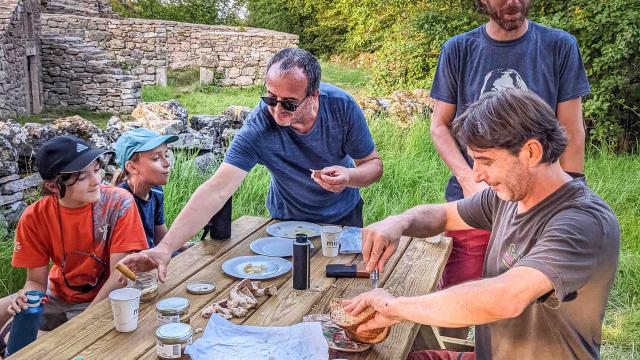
x: 552, y: 255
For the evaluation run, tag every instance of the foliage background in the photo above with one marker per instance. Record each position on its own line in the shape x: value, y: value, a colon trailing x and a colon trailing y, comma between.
x: 398, y: 42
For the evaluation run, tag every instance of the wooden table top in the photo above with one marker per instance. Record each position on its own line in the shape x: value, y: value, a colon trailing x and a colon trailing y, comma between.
x: 413, y: 270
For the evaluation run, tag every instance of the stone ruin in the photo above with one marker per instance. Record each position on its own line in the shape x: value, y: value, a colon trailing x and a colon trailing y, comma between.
x: 74, y: 53
x: 208, y: 135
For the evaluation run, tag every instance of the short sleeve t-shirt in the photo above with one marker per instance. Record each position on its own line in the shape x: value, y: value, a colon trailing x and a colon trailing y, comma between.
x: 111, y: 225
x: 573, y: 237
x: 544, y: 60
x: 339, y: 135
x: 151, y: 210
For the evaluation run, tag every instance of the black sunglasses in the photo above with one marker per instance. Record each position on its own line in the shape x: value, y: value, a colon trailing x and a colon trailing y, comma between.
x: 288, y: 105
x: 89, y: 286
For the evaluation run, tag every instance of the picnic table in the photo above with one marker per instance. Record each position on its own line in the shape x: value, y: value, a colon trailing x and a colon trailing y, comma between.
x: 414, y: 269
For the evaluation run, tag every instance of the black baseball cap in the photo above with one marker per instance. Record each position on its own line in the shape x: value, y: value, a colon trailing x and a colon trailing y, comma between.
x: 65, y: 154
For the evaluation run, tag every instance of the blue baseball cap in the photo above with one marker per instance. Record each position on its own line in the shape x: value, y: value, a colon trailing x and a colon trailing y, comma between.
x: 139, y: 140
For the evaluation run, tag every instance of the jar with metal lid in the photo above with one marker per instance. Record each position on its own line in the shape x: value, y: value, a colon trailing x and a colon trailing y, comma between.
x: 147, y: 283
x: 172, y: 339
x: 172, y: 310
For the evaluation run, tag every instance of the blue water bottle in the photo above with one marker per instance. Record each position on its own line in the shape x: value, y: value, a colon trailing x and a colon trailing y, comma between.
x: 26, y: 323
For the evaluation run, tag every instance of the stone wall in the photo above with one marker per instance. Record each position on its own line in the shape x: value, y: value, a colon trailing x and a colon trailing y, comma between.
x: 101, y: 63
x: 20, y: 75
x: 91, y: 8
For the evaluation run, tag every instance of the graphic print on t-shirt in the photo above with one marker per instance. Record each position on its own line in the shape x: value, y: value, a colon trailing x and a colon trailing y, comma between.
x: 511, y: 256
x: 502, y: 79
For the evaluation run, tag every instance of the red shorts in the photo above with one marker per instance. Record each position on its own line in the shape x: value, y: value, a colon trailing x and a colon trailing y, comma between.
x: 441, y: 355
x: 467, y: 257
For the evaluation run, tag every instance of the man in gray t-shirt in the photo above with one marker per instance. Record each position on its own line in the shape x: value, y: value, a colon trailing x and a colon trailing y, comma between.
x: 553, y: 252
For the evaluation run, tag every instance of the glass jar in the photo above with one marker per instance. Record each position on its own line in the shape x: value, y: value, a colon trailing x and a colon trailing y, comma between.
x: 147, y: 283
x: 172, y: 339
x: 172, y: 310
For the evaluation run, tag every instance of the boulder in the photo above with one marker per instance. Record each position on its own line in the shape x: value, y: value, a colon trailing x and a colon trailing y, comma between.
x: 17, y: 136
x: 192, y: 140
x: 405, y: 106
x: 217, y: 122
x: 237, y: 114
x: 207, y: 163
x: 116, y: 127
x: 8, y: 158
x: 13, y: 211
x: 82, y: 128
x: 37, y: 135
x: 227, y: 136
x: 167, y: 117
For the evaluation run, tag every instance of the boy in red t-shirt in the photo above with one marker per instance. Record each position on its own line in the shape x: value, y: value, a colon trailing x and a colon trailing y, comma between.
x: 83, y: 227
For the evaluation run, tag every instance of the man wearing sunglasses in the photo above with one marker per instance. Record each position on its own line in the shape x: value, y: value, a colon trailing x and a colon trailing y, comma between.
x: 80, y: 226
x: 300, y: 125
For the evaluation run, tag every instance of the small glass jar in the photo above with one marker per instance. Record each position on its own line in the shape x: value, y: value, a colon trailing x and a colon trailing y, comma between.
x: 147, y: 283
x: 172, y: 310
x: 172, y: 339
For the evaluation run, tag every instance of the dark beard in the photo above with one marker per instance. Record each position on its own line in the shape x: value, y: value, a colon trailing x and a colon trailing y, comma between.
x: 509, y: 25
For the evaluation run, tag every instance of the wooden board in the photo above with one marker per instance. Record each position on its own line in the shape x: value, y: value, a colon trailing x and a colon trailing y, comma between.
x: 74, y: 336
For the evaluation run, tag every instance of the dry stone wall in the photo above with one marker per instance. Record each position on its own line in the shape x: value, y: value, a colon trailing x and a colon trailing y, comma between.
x: 102, y: 63
x: 92, y: 8
x: 20, y: 75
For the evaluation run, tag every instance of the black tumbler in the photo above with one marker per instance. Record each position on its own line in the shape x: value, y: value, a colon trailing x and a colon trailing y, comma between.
x: 301, y: 262
x: 219, y: 227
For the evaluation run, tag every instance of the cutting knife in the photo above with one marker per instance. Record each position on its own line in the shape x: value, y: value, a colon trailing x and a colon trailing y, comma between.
x: 375, y: 275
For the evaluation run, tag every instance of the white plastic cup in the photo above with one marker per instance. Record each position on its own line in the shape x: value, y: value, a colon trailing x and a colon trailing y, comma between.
x: 330, y: 238
x: 125, y: 304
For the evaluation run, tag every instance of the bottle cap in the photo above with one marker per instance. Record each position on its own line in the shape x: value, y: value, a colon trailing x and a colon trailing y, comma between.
x: 301, y: 238
x: 200, y: 287
x: 34, y: 297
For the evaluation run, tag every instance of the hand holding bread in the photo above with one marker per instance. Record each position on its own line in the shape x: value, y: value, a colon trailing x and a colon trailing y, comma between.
x: 378, y: 300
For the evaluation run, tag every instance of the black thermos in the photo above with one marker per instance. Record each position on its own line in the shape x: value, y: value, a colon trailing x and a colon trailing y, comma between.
x: 220, y: 224
x: 301, y: 262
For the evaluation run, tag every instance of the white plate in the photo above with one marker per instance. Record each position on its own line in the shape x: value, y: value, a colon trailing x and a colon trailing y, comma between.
x: 273, y: 267
x: 273, y: 246
x: 289, y: 229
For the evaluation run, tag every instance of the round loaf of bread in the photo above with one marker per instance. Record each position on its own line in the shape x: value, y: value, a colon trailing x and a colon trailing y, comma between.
x: 350, y: 323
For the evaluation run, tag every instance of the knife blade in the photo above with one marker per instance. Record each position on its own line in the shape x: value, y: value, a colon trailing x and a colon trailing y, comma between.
x: 375, y: 275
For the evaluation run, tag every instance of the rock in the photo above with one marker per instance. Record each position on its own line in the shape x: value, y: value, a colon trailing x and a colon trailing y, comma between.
x: 9, y: 199
x: 13, y: 211
x: 227, y: 136
x: 3, y: 225
x: 405, y: 106
x: 17, y: 136
x: 238, y: 115
x: 199, y: 122
x: 192, y: 140
x: 168, y: 117
x: 6, y: 179
x: 82, y: 128
x: 8, y: 158
x: 22, y: 184
x: 116, y: 127
x: 207, y: 163
x: 37, y: 135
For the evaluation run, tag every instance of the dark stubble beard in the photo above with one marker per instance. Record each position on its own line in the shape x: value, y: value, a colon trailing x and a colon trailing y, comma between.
x: 509, y: 25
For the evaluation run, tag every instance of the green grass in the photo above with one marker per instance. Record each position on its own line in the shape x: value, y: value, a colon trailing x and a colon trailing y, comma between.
x: 350, y: 79
x: 98, y: 118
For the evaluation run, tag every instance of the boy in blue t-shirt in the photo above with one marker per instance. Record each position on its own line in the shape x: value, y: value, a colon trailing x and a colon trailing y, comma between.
x: 143, y: 157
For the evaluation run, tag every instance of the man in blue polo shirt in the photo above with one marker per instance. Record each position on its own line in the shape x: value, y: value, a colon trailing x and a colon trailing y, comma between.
x: 300, y: 125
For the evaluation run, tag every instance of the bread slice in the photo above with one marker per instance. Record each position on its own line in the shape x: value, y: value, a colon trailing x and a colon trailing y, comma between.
x: 350, y: 323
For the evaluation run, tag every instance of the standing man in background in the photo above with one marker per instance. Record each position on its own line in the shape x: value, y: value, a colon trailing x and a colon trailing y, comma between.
x: 508, y: 52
